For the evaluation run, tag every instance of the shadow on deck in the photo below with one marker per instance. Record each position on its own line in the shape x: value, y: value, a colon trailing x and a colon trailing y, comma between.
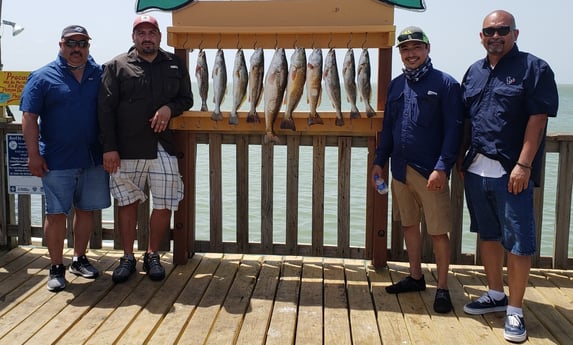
x: 257, y: 299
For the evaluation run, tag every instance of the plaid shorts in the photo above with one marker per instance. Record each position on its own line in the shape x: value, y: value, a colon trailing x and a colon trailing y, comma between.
x: 160, y: 174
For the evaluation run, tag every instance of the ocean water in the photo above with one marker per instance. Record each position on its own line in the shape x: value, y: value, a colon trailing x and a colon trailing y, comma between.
x: 563, y: 123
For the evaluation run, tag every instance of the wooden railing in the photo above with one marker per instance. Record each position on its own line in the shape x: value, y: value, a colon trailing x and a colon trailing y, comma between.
x: 17, y: 228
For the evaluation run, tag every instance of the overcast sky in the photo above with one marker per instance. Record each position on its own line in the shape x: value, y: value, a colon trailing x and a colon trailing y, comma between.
x: 452, y: 25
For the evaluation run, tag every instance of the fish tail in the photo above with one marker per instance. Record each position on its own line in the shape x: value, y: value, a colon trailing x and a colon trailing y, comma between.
x: 288, y: 124
x: 253, y: 117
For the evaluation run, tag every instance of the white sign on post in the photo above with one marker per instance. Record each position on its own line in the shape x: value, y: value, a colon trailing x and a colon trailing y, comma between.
x: 20, y: 180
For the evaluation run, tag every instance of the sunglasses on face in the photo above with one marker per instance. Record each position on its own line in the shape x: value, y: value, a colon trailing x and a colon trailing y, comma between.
x: 412, y: 36
x: 501, y: 30
x: 74, y: 43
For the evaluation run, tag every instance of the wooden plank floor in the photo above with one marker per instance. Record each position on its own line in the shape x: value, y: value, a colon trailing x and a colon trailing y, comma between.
x: 247, y: 299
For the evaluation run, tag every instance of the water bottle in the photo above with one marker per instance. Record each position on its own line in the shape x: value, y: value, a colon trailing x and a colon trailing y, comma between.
x: 381, y: 186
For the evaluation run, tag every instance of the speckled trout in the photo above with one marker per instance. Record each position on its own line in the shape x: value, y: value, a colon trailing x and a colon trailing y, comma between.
x: 349, y: 77
x: 240, y: 80
x: 256, y: 71
x: 314, y: 85
x: 295, y: 86
x: 363, y: 81
x: 202, y: 75
x: 332, y: 85
x: 219, y: 84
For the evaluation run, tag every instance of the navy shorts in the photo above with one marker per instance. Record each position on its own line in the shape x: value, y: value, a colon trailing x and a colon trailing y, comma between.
x: 85, y: 189
x: 498, y: 215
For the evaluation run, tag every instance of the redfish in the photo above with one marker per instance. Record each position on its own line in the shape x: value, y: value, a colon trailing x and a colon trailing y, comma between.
x: 275, y: 85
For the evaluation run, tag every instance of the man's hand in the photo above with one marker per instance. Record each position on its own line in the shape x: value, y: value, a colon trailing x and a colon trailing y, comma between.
x: 111, y: 161
x: 160, y: 121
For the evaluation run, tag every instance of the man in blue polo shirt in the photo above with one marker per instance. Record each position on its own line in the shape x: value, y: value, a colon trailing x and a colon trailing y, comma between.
x: 421, y: 134
x: 508, y: 96
x: 64, y: 148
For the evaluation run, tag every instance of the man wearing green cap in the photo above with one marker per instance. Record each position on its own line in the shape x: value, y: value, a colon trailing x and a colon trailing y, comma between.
x: 421, y: 134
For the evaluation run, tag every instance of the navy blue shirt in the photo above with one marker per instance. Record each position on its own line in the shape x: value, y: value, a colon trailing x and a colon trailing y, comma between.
x: 499, y: 103
x: 422, y: 124
x: 69, y: 135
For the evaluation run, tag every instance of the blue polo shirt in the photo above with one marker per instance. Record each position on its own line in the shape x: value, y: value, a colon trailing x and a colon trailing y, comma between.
x: 69, y: 135
x: 422, y: 124
x: 499, y: 103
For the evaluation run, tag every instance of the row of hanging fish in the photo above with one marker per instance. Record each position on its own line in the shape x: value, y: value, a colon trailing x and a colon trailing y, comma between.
x: 284, y: 84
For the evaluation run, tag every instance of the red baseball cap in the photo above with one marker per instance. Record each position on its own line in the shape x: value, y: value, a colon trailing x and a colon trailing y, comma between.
x: 144, y: 18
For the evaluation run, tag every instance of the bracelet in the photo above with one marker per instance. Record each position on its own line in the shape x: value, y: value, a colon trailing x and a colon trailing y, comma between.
x: 523, y: 165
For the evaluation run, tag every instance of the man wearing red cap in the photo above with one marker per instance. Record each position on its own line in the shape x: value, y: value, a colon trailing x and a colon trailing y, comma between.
x: 141, y: 91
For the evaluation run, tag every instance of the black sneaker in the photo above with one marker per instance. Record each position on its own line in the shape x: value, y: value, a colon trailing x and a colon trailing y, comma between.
x: 83, y: 268
x: 57, y: 278
x: 125, y: 268
x: 407, y: 284
x: 152, y: 265
x: 442, y: 301
x: 486, y: 304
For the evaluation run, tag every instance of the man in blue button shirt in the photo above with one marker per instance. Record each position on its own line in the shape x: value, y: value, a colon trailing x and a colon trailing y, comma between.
x: 508, y: 96
x: 64, y: 149
x: 421, y: 133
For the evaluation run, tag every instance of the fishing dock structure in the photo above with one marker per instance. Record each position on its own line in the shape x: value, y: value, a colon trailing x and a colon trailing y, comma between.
x: 271, y: 290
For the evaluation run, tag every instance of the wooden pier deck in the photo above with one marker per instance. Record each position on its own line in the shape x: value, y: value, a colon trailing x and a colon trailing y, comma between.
x: 256, y: 299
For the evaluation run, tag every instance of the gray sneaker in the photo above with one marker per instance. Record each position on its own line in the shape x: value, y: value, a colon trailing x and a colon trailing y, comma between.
x: 57, y: 278
x: 83, y: 268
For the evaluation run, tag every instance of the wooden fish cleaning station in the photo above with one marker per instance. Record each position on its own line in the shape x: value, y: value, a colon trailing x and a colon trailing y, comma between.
x: 269, y: 25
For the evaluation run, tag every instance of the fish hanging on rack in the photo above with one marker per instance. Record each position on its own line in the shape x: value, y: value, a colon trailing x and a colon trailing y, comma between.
x: 349, y: 77
x: 295, y: 86
x: 332, y: 84
x: 363, y: 81
x: 314, y: 85
x: 255, y: 85
x: 219, y: 84
x: 275, y: 85
x: 202, y: 75
x: 240, y: 80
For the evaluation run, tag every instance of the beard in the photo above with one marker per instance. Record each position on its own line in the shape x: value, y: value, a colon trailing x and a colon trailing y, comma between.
x: 147, y: 49
x: 495, y: 47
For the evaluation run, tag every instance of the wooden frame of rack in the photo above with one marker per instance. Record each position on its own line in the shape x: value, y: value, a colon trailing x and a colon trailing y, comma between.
x: 268, y: 24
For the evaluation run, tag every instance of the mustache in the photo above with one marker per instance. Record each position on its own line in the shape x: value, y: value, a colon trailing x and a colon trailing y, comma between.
x: 144, y: 42
x: 496, y: 40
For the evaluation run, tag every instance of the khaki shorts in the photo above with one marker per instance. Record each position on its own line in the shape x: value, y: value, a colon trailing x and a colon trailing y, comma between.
x: 409, y: 200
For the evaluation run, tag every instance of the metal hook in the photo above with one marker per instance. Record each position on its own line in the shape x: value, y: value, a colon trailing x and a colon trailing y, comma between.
x: 238, y: 41
x: 313, y: 39
x: 276, y: 40
x: 365, y: 38
x: 219, y: 42
x: 255, y: 42
x: 294, y: 43
x: 186, y: 40
x: 330, y: 41
x: 349, y: 41
x: 201, y: 43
